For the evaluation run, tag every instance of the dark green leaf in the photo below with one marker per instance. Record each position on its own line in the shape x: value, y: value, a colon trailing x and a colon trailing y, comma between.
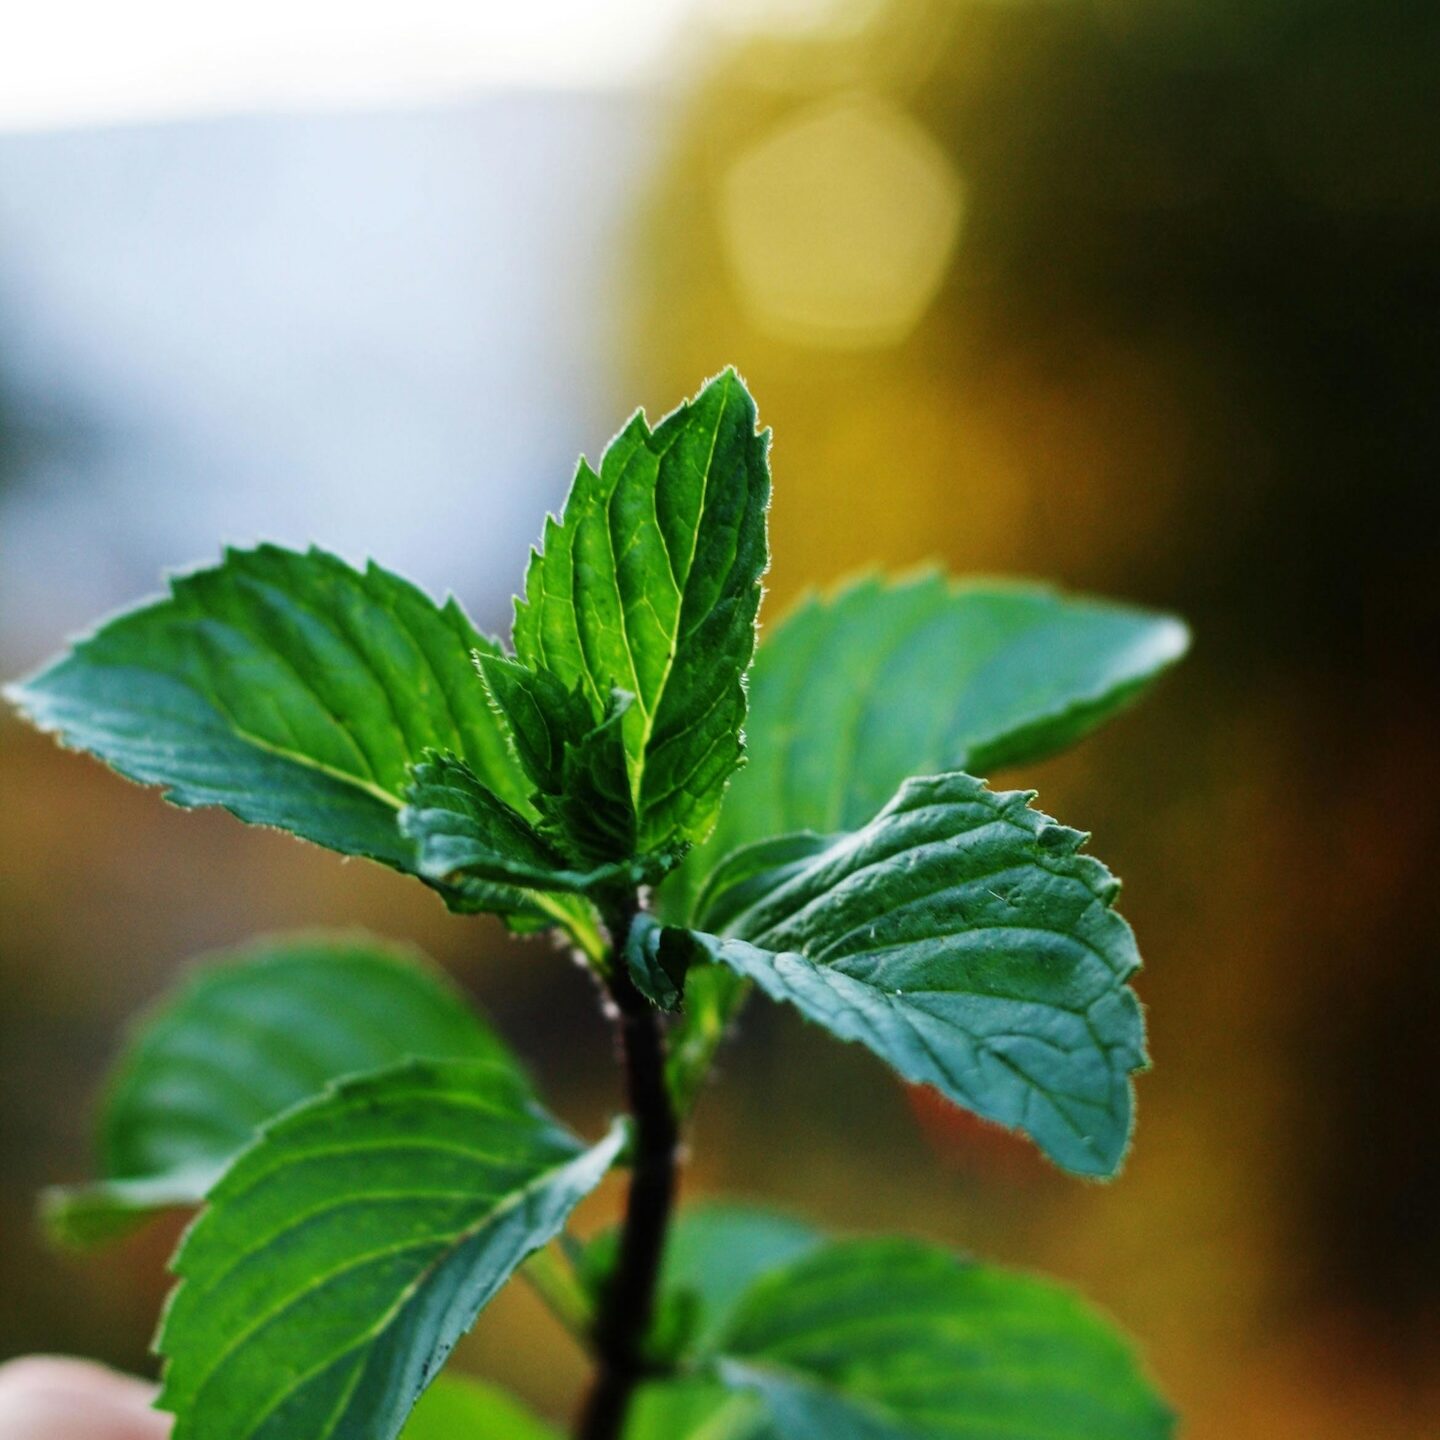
x: 293, y: 691
x: 649, y: 584
x: 578, y: 767
x: 714, y: 995
x: 896, y: 1340
x: 594, y: 808
x: 464, y: 832
x: 659, y: 985
x: 962, y: 938
x: 542, y: 716
x: 341, y: 1257
x: 464, y: 1409
x: 250, y: 1034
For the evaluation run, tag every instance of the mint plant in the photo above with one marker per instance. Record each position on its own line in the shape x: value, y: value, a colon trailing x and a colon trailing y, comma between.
x: 372, y: 1164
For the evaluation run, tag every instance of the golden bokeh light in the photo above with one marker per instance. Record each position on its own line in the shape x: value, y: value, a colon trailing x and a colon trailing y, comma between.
x: 839, y: 224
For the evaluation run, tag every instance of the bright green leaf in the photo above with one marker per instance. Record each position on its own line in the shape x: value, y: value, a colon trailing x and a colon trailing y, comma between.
x: 341, y: 1257
x: 251, y: 1033
x: 456, y: 1408
x: 896, y: 1340
x: 293, y: 691
x: 962, y: 938
x: 649, y: 584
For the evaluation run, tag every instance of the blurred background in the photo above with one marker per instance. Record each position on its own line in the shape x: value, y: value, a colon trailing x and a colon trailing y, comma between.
x: 1142, y: 295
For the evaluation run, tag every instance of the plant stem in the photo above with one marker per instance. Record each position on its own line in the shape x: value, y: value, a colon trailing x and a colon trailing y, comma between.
x: 628, y: 1304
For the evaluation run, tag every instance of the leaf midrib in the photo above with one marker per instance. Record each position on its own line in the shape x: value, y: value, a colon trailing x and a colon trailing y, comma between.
x: 649, y: 713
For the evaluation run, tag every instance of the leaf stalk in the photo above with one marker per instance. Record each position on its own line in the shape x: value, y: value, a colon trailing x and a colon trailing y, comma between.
x: 627, y: 1305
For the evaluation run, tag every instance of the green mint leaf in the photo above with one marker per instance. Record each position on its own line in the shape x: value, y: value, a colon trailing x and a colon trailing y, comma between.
x: 658, y: 978
x: 649, y: 584
x: 251, y: 1033
x: 897, y: 1340
x: 594, y: 809
x: 341, y: 1256
x: 463, y: 832
x: 290, y: 689
x: 850, y: 695
x: 717, y: 1251
x: 543, y: 716
x: 962, y: 938
x: 578, y: 767
x: 456, y: 1408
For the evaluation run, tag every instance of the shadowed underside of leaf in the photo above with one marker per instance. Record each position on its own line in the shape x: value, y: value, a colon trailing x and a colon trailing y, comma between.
x: 896, y: 1340
x: 962, y: 938
x: 252, y: 1033
x: 649, y: 584
x: 342, y: 1256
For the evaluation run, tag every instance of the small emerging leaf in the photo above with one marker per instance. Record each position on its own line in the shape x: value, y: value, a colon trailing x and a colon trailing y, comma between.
x: 464, y: 832
x: 962, y: 938
x: 649, y: 585
x: 342, y: 1256
x: 251, y: 1033
x: 658, y: 978
x: 896, y: 1340
x: 578, y: 765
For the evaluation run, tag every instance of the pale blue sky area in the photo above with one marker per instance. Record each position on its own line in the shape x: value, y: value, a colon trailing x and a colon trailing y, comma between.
x: 389, y: 332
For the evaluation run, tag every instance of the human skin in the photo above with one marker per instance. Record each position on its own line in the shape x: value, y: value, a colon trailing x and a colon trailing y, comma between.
x: 45, y: 1398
